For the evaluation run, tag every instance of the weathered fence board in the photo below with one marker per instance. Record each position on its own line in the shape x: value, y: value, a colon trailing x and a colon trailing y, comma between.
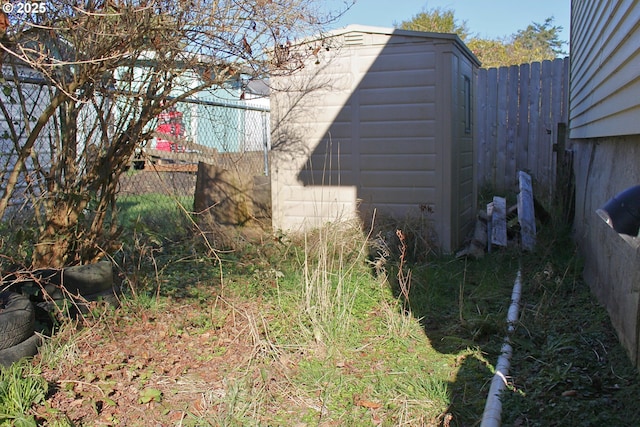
x: 545, y: 142
x: 512, y: 120
x: 519, y: 109
x: 501, y: 131
x: 534, y: 117
x: 491, y: 122
x: 523, y: 115
x: 499, y: 222
x: 526, y: 213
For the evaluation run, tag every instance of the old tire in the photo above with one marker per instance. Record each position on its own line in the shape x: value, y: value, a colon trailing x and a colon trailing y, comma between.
x: 17, y: 318
x: 88, y: 279
x: 82, y: 279
x: 75, y: 305
x: 108, y: 296
x: 26, y: 348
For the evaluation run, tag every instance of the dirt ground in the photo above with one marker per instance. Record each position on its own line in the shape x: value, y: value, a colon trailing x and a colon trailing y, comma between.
x: 154, y: 368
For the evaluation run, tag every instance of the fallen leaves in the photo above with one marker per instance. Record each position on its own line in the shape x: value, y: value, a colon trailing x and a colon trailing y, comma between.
x: 366, y: 403
x: 165, y: 358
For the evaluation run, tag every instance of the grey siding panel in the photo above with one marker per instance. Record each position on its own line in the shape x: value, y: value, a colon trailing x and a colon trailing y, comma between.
x: 396, y: 179
x: 398, y: 78
x: 605, y: 77
x: 426, y: 145
x: 617, y: 103
x: 403, y: 95
x: 414, y: 161
x: 402, y: 59
x: 614, y: 124
x: 397, y: 129
x: 392, y: 112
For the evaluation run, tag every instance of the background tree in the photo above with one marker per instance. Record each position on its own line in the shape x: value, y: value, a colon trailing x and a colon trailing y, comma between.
x: 436, y: 20
x: 108, y: 68
x: 537, y: 42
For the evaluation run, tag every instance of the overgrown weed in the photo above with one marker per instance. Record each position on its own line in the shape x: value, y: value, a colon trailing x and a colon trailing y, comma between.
x: 333, y: 262
x: 21, y: 387
x: 568, y: 367
x: 337, y: 335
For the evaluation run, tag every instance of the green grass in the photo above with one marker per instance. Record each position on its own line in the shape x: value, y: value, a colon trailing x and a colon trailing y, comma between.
x: 569, y: 368
x: 21, y: 386
x: 366, y: 358
x: 387, y: 349
x: 153, y: 208
x: 372, y: 361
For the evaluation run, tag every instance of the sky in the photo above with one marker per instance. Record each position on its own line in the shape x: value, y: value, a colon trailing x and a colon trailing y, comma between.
x: 485, y: 18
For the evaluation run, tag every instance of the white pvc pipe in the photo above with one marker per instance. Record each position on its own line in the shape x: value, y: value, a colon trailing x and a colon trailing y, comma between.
x: 492, y: 416
x: 514, y: 308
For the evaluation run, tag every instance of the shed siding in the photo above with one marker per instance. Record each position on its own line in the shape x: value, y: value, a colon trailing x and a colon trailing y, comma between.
x: 463, y: 211
x: 378, y: 138
x: 403, y: 111
x: 312, y: 155
x: 605, y: 68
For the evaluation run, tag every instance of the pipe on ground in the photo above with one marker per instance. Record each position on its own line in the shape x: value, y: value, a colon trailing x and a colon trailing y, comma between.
x: 493, y: 407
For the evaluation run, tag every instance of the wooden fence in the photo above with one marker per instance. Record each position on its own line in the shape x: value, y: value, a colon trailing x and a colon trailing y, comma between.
x: 518, y: 111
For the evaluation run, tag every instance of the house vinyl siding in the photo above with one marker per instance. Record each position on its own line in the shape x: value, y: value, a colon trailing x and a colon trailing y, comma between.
x: 604, y: 117
x: 605, y: 68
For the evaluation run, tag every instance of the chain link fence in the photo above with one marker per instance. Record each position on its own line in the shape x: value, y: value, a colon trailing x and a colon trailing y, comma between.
x: 19, y: 111
x: 230, y: 135
x: 217, y: 128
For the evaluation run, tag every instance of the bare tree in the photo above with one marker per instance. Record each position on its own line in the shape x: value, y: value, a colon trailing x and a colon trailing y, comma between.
x: 106, y: 69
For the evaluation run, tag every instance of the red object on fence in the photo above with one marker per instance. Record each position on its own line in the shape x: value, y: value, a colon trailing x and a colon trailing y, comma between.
x: 170, y: 124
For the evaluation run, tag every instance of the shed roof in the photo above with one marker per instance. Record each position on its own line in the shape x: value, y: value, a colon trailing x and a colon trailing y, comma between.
x: 356, y: 28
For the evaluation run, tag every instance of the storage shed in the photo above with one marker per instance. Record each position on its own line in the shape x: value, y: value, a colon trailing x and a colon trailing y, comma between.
x: 377, y: 119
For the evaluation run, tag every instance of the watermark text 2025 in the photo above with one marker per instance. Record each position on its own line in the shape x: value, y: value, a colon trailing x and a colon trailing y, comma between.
x: 25, y: 7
